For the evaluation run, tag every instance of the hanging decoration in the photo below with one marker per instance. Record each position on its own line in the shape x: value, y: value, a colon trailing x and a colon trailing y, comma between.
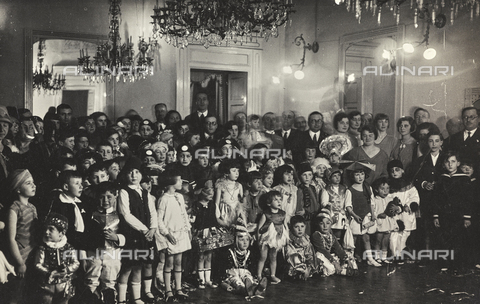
x: 213, y: 22
x: 114, y: 59
x: 43, y: 79
x: 439, y: 9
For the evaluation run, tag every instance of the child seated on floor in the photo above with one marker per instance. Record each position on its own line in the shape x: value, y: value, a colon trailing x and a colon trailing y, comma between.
x: 328, y: 250
x: 299, y: 253
x: 238, y: 266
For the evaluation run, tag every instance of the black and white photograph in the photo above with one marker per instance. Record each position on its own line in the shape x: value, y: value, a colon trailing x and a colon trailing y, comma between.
x: 233, y: 151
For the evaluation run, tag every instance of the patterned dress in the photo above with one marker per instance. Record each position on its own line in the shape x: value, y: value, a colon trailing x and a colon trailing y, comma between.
x: 274, y: 232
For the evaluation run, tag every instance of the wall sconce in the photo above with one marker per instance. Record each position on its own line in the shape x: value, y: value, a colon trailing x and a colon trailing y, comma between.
x: 439, y: 21
x: 299, y: 41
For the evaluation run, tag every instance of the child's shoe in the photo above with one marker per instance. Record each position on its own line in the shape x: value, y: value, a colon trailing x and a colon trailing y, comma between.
x: 274, y: 280
x: 181, y: 295
x: 261, y: 288
x: 201, y: 284
x: 211, y: 284
x: 249, y: 287
x: 372, y: 262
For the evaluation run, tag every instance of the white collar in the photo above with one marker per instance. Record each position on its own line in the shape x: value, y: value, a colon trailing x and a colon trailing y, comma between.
x: 286, y: 132
x: 313, y: 133
x: 471, y: 132
x: 205, y: 113
x: 68, y: 200
x: 270, y: 131
x: 135, y: 187
x: 56, y: 245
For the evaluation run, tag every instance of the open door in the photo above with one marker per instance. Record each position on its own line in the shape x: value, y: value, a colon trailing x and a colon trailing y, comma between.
x: 237, y: 93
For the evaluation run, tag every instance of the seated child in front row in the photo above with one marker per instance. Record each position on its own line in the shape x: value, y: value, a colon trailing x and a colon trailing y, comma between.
x: 299, y: 253
x: 328, y: 250
x: 238, y: 276
x: 55, y: 263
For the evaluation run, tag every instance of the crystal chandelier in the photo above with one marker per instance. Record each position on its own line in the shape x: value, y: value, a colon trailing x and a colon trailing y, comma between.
x: 43, y: 78
x: 114, y: 59
x: 438, y: 9
x: 211, y: 22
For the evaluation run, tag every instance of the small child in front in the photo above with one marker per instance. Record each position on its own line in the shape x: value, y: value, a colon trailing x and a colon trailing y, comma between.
x: 299, y: 253
x: 55, y: 262
x: 328, y: 250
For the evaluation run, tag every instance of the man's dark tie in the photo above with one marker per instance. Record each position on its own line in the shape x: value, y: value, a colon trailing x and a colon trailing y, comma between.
x: 315, y: 140
x: 285, y: 137
x: 469, y: 135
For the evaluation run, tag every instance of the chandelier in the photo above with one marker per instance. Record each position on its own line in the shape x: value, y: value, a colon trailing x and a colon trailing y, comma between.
x: 438, y: 9
x: 211, y: 22
x: 43, y: 78
x: 114, y: 59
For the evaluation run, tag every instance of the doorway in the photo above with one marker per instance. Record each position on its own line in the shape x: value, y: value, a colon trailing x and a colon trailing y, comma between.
x: 226, y: 91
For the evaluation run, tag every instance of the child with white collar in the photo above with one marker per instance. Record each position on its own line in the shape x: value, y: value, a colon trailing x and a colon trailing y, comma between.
x: 55, y: 261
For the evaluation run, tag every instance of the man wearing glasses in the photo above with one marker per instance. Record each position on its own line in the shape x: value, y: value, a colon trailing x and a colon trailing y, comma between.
x: 210, y: 134
x: 467, y: 142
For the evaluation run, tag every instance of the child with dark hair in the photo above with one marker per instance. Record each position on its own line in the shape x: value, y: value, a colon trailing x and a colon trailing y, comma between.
x: 272, y: 233
x: 452, y: 214
x: 385, y: 224
x: 308, y: 200
x: 55, y: 263
x: 105, y: 236
x: 137, y: 207
x: 105, y: 149
x: 229, y: 195
x: 283, y: 182
x: 174, y: 225
x: 410, y: 200
x: 251, y: 199
x: 358, y: 205
x: 299, y: 253
x: 204, y: 229
x: 333, y: 197
x: 328, y: 250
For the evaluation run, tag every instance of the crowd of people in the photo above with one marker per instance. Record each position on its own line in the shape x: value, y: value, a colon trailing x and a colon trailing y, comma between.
x: 101, y: 211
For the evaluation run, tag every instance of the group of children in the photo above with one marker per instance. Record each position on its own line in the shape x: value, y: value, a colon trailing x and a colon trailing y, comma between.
x: 115, y: 230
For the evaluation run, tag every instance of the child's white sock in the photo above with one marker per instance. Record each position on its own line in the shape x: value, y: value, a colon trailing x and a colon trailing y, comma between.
x: 122, y: 292
x: 137, y: 292
x: 147, y: 285
x: 201, y: 275
x: 208, y: 273
x: 384, y: 254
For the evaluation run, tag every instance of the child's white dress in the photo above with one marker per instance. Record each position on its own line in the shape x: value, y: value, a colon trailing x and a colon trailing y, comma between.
x: 289, y: 199
x: 173, y: 219
x: 379, y: 205
x: 229, y: 208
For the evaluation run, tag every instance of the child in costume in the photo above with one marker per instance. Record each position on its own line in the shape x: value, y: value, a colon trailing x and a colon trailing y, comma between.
x: 229, y: 194
x: 204, y: 226
x: 272, y: 232
x: 284, y: 183
x: 410, y: 200
x: 55, y: 263
x: 299, y: 253
x: 333, y: 197
x: 238, y: 267
x: 308, y: 202
x: 385, y: 224
x: 328, y: 250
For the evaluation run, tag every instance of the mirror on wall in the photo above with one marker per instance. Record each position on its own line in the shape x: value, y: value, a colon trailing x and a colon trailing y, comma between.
x: 59, y: 53
x: 367, y: 79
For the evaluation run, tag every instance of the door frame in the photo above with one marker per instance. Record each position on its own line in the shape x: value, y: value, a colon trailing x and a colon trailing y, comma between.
x: 234, y: 59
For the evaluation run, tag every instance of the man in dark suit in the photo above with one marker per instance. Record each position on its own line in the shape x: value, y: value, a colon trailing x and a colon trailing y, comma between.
x: 196, y: 120
x: 269, y: 133
x: 286, y: 132
x: 160, y: 113
x: 467, y: 142
x: 313, y: 136
x: 427, y: 171
x: 210, y: 134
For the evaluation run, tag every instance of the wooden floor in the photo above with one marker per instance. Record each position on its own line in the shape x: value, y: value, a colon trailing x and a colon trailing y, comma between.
x: 405, y: 284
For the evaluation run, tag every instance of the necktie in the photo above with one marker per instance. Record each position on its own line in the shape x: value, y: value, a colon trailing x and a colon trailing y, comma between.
x: 469, y: 134
x: 315, y: 139
x: 285, y: 137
